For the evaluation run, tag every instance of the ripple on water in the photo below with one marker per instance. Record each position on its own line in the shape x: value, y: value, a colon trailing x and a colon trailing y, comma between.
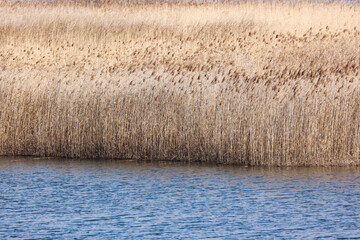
x: 113, y: 199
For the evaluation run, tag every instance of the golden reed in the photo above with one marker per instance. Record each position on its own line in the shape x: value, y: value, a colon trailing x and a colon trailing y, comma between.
x: 247, y: 83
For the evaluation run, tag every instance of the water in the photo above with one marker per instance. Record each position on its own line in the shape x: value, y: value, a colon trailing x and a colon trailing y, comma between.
x: 84, y: 199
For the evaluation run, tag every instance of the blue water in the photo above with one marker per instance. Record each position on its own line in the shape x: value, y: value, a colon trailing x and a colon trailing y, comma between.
x: 87, y: 199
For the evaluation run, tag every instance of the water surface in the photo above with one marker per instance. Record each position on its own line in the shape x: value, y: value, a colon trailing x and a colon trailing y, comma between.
x: 107, y: 199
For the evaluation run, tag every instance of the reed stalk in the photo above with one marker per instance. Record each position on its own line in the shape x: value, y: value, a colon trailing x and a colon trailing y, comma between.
x: 250, y: 83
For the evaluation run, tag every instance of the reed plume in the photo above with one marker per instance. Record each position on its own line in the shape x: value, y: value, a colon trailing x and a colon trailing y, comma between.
x: 246, y: 83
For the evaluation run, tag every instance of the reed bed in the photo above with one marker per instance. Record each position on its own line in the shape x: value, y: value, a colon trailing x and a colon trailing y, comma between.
x: 246, y: 83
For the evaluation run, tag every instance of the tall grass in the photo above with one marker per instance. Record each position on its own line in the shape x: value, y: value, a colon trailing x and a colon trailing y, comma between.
x: 246, y: 83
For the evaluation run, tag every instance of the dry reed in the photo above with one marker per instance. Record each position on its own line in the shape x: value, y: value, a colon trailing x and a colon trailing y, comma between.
x: 246, y: 83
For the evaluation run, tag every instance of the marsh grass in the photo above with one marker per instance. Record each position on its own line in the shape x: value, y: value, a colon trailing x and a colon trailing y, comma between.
x: 247, y: 83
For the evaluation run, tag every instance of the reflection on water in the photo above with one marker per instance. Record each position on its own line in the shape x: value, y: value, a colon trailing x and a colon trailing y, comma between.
x: 77, y: 199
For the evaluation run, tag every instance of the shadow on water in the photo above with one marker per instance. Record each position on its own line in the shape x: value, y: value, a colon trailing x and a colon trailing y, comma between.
x: 61, y: 198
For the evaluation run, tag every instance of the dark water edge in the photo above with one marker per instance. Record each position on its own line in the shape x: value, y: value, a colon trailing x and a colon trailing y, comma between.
x: 114, y: 199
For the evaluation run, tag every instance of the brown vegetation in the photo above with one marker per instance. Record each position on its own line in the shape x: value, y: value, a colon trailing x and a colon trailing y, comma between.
x: 246, y: 83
